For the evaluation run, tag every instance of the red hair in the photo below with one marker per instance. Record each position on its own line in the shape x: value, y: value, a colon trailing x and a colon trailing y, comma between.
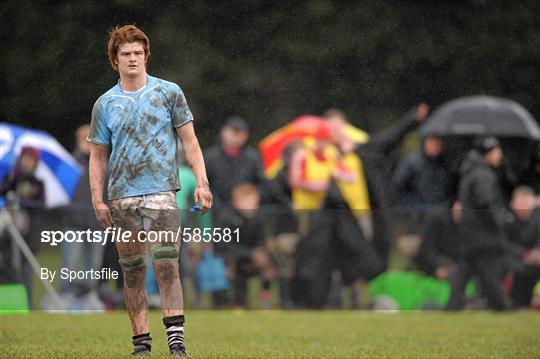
x: 126, y: 34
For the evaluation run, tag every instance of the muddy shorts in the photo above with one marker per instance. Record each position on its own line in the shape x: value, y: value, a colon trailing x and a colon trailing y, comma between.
x: 156, y: 212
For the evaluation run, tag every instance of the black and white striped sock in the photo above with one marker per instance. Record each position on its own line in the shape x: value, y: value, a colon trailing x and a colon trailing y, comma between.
x: 142, y: 343
x: 175, y: 330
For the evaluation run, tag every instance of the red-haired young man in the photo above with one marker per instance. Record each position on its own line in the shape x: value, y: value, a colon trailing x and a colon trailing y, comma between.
x: 134, y: 130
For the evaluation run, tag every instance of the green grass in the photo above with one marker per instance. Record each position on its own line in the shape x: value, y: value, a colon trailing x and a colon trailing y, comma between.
x: 292, y: 334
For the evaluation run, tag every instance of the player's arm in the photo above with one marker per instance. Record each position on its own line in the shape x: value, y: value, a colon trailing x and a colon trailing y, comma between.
x: 194, y: 156
x: 98, y: 171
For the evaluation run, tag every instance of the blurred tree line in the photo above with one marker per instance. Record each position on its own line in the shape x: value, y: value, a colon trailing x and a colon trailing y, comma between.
x: 270, y: 61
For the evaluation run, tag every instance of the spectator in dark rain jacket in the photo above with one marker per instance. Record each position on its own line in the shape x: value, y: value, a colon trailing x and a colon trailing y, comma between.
x: 230, y: 162
x: 484, y: 248
x: 422, y: 181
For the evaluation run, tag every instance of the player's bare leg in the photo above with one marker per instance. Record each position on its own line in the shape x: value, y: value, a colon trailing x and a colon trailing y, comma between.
x: 170, y: 289
x: 132, y: 261
x: 165, y: 254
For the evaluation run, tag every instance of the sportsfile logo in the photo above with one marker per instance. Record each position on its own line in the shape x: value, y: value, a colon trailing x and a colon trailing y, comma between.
x: 118, y: 235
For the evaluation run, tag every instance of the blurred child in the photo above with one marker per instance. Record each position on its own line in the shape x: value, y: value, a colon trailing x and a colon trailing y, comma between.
x: 247, y: 256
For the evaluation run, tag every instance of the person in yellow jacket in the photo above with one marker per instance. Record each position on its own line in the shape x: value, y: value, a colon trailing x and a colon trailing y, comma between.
x: 310, y: 172
x: 314, y: 164
x: 353, y: 188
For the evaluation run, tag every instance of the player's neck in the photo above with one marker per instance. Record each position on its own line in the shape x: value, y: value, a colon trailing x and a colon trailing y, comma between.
x: 133, y: 84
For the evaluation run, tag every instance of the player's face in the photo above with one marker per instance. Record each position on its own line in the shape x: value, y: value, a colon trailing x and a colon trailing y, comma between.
x: 131, y: 59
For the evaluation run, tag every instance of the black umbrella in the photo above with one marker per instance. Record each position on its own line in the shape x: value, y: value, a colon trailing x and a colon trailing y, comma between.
x: 482, y: 116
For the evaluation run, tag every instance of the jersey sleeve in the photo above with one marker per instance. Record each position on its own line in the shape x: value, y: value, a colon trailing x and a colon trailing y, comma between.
x: 180, y: 112
x: 99, y: 131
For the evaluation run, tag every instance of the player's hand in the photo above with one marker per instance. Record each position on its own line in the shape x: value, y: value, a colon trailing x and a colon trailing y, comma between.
x: 203, y: 196
x: 103, y: 215
x: 422, y: 112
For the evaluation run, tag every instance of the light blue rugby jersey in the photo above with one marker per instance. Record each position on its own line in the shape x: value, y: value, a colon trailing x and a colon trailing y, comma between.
x: 140, y: 127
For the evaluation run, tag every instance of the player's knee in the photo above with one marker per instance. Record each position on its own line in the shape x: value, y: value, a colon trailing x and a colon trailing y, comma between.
x: 165, y: 253
x: 132, y: 263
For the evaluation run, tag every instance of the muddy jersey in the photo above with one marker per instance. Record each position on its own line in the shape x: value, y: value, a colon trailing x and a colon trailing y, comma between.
x: 140, y: 129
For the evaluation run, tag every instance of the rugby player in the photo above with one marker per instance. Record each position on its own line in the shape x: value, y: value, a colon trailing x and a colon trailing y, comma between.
x: 134, y: 130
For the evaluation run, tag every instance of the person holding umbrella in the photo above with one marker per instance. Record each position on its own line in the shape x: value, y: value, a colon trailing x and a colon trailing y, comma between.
x: 484, y: 247
x: 459, y: 120
x: 26, y: 192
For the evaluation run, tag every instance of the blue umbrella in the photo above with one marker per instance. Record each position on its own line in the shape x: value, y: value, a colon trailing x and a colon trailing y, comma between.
x: 58, y: 170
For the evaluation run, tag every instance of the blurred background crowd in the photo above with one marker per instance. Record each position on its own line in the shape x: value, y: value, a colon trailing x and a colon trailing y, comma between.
x: 327, y: 218
x: 360, y: 203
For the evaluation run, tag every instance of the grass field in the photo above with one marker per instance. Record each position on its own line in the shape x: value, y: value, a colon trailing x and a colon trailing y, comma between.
x: 292, y: 334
